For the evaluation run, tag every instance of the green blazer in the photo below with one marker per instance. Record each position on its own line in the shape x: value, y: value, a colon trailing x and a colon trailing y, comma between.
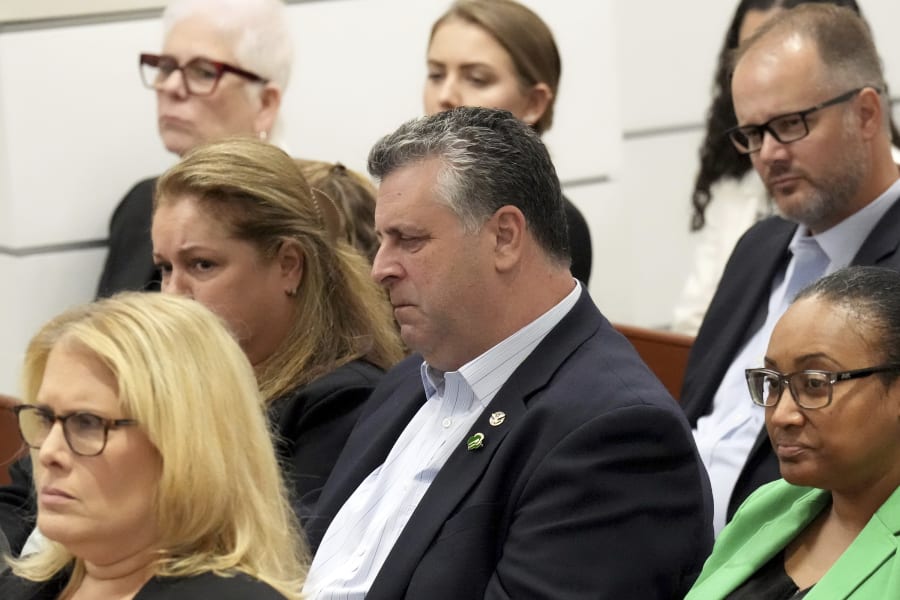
x: 773, y: 516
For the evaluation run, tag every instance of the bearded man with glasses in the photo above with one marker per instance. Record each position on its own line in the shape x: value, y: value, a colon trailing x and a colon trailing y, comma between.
x: 813, y: 114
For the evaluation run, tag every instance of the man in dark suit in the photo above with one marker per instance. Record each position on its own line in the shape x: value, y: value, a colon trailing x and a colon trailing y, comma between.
x: 813, y: 115
x: 525, y: 451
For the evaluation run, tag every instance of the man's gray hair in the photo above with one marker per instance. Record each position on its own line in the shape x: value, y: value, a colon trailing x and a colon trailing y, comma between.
x: 489, y: 159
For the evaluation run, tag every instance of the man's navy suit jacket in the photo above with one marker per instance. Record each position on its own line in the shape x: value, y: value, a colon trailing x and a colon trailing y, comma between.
x: 591, y: 487
x: 740, y: 307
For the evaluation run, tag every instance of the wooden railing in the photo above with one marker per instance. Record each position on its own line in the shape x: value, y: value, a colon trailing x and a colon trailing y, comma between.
x: 11, y: 446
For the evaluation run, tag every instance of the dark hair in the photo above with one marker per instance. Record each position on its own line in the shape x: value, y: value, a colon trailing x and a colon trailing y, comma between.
x: 489, y: 159
x: 718, y: 159
x: 872, y: 296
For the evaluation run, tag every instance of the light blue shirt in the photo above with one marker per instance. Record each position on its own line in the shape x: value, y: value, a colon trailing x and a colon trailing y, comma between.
x: 726, y: 435
x: 369, y: 523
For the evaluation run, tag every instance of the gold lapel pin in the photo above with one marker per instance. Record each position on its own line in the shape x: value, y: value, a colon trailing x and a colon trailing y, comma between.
x: 497, y: 418
x: 475, y: 442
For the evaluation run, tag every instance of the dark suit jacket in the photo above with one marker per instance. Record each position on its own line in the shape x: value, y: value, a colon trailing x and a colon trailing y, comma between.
x: 739, y: 308
x: 129, y: 261
x: 203, y: 586
x: 590, y: 488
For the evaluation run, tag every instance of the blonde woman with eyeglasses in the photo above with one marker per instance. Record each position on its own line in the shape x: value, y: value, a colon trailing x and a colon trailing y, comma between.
x: 142, y: 413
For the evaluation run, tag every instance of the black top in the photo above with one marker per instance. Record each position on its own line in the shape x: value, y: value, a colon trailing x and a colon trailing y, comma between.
x: 313, y: 422
x: 579, y: 242
x: 770, y: 582
x: 205, y: 585
x: 129, y: 261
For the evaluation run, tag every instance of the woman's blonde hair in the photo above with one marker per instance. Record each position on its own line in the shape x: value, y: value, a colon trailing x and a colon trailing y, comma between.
x: 220, y: 503
x: 258, y: 192
x: 354, y: 194
x: 525, y: 37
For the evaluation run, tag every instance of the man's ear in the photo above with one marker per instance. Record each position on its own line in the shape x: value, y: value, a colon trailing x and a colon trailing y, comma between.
x: 540, y: 96
x: 509, y: 230
x: 870, y: 112
x: 290, y: 263
x: 270, y: 102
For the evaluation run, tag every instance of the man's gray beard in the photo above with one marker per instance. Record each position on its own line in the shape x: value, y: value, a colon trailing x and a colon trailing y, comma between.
x: 834, y: 193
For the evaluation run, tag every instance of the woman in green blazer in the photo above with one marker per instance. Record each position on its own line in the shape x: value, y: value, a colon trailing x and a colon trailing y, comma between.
x: 831, y: 528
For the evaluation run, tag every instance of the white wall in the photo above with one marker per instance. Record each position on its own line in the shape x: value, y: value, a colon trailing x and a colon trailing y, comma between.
x: 77, y: 129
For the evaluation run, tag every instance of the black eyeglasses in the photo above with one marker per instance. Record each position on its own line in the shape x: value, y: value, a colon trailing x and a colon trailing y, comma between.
x: 200, y: 75
x: 86, y: 433
x: 810, y: 389
x: 784, y: 128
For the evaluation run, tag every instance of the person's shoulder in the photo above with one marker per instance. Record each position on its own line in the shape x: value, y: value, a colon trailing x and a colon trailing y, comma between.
x: 574, y: 217
x: 772, y: 501
x: 776, y: 493
x: 208, y: 585
x: 594, y: 375
x: 340, y: 389
x: 142, y: 190
x: 354, y: 374
x: 409, y: 367
x: 138, y: 199
x: 13, y: 587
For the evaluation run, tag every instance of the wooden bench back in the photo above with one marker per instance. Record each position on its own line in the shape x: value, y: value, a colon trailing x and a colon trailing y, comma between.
x: 11, y: 445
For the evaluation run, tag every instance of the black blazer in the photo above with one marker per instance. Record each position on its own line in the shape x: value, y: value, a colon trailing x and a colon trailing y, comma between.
x: 579, y: 242
x: 206, y: 585
x: 313, y: 422
x: 129, y: 261
x: 739, y: 308
x: 591, y: 487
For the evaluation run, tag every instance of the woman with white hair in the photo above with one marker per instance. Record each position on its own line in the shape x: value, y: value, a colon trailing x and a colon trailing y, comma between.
x: 222, y: 72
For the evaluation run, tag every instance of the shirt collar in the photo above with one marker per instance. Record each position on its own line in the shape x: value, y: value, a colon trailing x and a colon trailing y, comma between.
x: 485, y: 374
